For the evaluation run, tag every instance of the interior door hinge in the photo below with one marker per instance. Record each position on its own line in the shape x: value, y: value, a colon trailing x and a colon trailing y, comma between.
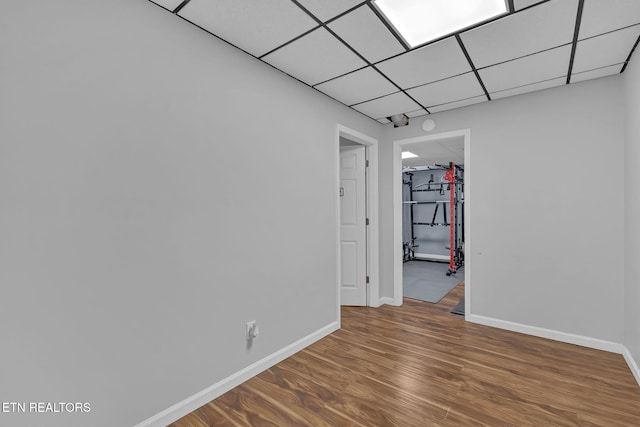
x: 366, y: 163
x: 367, y: 222
x: 341, y: 191
x: 367, y: 280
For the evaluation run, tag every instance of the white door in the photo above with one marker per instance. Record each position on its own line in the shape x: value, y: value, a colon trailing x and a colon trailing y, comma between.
x: 353, y: 229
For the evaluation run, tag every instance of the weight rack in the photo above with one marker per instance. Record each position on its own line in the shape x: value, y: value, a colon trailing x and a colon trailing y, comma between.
x: 454, y: 185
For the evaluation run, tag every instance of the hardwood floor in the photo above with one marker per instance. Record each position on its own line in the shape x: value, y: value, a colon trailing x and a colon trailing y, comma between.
x: 419, y: 365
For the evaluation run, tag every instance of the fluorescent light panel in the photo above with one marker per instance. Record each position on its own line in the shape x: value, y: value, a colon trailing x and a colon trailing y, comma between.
x: 408, y: 155
x: 420, y: 21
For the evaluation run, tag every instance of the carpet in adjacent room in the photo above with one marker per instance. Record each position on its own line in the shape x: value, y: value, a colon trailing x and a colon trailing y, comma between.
x: 428, y: 281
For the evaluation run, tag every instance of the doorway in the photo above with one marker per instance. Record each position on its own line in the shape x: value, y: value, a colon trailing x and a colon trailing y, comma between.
x: 357, y: 258
x: 432, y: 151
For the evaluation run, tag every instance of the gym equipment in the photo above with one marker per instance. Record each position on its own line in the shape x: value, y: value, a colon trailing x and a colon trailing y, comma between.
x: 451, y: 185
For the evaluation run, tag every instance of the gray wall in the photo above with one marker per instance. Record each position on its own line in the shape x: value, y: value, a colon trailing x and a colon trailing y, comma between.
x: 125, y: 268
x: 551, y: 259
x: 126, y: 280
x: 631, y: 79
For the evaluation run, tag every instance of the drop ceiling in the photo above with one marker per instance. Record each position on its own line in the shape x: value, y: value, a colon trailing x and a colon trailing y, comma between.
x: 346, y: 50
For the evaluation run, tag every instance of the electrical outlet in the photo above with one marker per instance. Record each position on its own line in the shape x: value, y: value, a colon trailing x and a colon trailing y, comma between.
x: 252, y: 330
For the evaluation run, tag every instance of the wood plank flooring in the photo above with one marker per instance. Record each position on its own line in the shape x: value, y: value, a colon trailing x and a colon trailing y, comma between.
x: 419, y: 365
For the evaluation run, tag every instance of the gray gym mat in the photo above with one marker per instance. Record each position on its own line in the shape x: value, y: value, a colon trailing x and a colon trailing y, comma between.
x: 427, y: 281
x: 459, y: 309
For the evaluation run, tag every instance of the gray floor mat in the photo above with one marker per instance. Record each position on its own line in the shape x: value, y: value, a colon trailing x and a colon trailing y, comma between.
x: 427, y: 281
x: 459, y: 309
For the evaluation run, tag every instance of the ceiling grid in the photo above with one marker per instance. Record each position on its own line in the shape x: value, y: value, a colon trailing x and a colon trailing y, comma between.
x: 473, y: 67
x: 360, y: 56
x: 630, y: 53
x: 575, y: 40
x: 348, y: 50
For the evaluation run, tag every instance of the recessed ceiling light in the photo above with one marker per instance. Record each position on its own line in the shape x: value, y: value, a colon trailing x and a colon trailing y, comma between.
x: 408, y: 155
x: 420, y: 21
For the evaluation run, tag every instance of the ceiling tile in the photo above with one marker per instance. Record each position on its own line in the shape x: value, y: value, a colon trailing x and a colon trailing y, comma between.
x: 521, y: 4
x: 169, y: 4
x: 430, y: 151
x: 458, y: 104
x: 254, y: 26
x: 601, y: 16
x: 529, y: 88
x: 533, y: 30
x: 594, y: 74
x: 417, y: 113
x: 448, y: 90
x: 363, y: 31
x: 438, y: 152
x: 359, y: 86
x: 386, y: 106
x: 327, y: 9
x: 546, y: 65
x: 425, y: 65
x: 608, y: 49
x: 315, y: 58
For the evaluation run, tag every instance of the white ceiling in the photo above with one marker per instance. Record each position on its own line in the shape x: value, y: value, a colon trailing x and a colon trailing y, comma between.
x: 438, y: 152
x: 346, y: 50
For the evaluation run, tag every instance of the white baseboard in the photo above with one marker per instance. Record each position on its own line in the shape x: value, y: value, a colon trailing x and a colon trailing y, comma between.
x: 387, y: 300
x: 632, y: 364
x: 548, y: 333
x: 192, y: 403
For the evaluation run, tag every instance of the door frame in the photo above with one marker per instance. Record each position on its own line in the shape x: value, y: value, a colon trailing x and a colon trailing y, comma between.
x: 373, y: 236
x: 398, y: 145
